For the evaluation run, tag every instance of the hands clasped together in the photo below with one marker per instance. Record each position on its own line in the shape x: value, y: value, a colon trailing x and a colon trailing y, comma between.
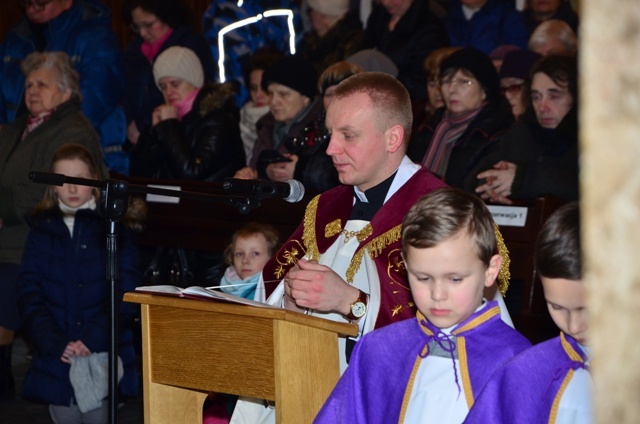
x: 498, y: 183
x: 309, y: 285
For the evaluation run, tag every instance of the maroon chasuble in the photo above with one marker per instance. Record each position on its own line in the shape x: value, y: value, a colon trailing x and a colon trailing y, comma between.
x: 326, y: 216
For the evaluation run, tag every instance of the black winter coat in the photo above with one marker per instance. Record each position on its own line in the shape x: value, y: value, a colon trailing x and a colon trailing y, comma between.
x: 205, y: 145
x: 416, y: 34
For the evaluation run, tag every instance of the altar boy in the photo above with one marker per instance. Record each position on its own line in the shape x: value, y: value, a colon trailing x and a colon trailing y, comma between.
x: 433, y: 366
x: 549, y: 383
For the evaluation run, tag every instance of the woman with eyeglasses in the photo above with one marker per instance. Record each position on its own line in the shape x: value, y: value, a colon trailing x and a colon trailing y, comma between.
x: 159, y: 25
x: 425, y: 110
x: 514, y: 70
x: 539, y: 154
x: 475, y: 113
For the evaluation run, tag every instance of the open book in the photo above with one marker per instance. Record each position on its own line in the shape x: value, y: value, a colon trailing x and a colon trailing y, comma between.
x: 197, y: 292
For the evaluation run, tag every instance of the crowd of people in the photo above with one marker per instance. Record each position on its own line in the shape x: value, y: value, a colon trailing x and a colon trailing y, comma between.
x: 371, y: 105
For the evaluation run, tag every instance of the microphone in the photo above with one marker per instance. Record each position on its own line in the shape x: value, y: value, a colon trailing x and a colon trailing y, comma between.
x: 292, y: 190
x: 48, y: 178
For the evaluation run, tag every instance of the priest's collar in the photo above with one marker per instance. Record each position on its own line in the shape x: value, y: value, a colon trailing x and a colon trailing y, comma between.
x: 368, y: 202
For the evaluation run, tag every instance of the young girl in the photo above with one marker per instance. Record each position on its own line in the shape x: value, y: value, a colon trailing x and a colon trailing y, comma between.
x: 63, y: 294
x: 250, y: 249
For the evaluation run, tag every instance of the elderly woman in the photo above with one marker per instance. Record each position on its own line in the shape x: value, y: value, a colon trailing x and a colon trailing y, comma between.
x: 195, y: 134
x: 539, y: 154
x: 158, y: 24
x: 293, y: 108
x: 52, y: 97
x: 475, y: 114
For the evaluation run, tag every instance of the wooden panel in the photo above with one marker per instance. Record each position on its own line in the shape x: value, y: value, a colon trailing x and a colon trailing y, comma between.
x: 183, y: 353
x: 298, y: 400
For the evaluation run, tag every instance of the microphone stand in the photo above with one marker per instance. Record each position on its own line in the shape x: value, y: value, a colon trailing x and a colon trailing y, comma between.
x: 115, y: 196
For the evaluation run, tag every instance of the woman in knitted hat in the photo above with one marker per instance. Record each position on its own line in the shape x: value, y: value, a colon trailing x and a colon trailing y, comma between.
x: 195, y: 134
x: 158, y: 25
x: 475, y: 114
x: 294, y: 107
x: 336, y: 33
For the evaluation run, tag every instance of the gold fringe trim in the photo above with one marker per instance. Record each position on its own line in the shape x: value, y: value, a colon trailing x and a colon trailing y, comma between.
x: 309, y: 230
x: 375, y: 248
x: 504, y: 275
x: 333, y: 228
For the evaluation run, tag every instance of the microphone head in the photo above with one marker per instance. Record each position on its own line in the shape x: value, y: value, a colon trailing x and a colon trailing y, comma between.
x: 296, y: 191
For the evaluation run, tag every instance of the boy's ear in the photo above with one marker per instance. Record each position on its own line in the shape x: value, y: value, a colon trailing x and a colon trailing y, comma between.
x: 492, y: 270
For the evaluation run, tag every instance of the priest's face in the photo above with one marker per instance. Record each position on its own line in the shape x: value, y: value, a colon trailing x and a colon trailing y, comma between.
x: 363, y: 152
x: 447, y: 281
x: 567, y: 301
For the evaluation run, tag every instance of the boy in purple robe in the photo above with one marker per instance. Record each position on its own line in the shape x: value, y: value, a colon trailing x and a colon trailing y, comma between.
x: 433, y: 366
x: 549, y: 383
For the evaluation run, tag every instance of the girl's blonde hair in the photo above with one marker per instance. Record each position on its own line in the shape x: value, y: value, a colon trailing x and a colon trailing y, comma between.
x: 252, y: 228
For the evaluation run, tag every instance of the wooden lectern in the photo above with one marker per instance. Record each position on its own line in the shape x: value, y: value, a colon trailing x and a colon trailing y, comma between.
x: 193, y: 347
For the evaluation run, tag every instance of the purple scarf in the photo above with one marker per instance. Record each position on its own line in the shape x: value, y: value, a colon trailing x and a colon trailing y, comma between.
x: 447, y: 133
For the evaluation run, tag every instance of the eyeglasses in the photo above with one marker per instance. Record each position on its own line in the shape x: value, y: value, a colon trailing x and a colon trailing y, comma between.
x: 145, y: 25
x: 462, y: 83
x: 37, y: 5
x: 512, y: 89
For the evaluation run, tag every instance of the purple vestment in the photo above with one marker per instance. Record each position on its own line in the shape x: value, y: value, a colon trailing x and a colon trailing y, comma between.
x: 528, y: 388
x: 385, y: 361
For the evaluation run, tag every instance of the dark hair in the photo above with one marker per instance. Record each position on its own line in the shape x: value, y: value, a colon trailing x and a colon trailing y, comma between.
x: 174, y: 13
x: 558, y: 252
x: 262, y: 59
x: 388, y: 96
x: 563, y: 71
x: 445, y: 213
x: 253, y: 228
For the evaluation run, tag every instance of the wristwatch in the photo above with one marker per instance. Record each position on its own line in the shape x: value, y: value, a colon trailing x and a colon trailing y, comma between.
x: 358, y: 308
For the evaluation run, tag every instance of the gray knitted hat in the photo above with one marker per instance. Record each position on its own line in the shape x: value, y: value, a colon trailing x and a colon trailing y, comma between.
x: 179, y: 62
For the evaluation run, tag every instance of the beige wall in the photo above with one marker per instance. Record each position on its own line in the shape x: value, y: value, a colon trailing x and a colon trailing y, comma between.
x: 610, y: 137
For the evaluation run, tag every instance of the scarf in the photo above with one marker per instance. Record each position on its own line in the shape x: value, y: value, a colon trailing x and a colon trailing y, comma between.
x: 232, y: 283
x: 447, y: 133
x: 34, y: 122
x: 185, y: 105
x: 69, y: 213
x: 150, y: 51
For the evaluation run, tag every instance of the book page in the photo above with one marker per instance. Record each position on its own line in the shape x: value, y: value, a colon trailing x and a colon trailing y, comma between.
x: 168, y: 289
x: 220, y: 295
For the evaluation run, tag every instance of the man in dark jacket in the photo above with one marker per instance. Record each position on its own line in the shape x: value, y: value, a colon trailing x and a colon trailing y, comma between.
x: 82, y: 29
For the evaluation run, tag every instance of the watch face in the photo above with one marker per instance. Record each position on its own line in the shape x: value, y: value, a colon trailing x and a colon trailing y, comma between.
x: 358, y: 309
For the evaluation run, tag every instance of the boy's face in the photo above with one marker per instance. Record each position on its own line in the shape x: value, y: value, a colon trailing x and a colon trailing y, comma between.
x: 567, y: 300
x: 447, y: 281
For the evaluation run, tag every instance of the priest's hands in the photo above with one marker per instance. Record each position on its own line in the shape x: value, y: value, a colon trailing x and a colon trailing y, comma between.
x: 314, y: 286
